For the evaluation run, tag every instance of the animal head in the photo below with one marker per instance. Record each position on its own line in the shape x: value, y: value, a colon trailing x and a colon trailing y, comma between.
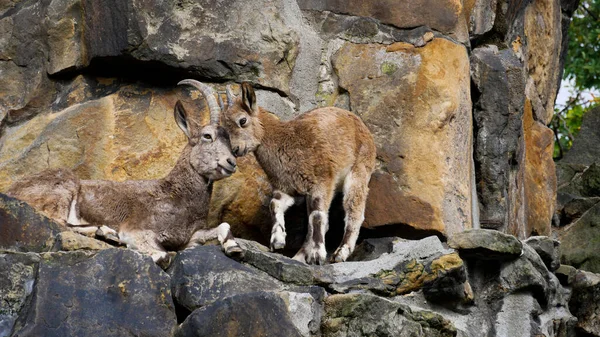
x: 242, y: 122
x: 210, y: 154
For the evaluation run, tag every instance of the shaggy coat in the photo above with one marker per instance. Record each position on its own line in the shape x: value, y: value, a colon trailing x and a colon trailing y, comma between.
x: 152, y: 216
x: 315, y: 155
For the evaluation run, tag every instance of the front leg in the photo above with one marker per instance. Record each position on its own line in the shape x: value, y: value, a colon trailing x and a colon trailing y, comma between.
x: 279, y: 205
x: 222, y: 233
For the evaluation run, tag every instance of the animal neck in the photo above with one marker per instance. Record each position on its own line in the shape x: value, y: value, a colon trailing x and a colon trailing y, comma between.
x: 274, y: 132
x: 184, y: 182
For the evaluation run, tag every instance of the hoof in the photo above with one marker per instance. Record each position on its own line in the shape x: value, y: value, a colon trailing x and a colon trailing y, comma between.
x: 109, y: 236
x: 317, y: 255
x: 235, y: 252
x: 278, y: 239
x: 341, y: 254
x: 164, y: 261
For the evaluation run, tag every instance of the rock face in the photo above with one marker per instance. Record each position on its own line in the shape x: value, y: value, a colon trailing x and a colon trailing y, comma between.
x: 430, y: 119
x: 413, y: 288
x: 578, y: 211
x: 90, y: 85
x: 457, y: 94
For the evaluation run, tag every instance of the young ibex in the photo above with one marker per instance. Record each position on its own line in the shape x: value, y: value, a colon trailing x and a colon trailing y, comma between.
x: 321, y: 152
x: 152, y: 216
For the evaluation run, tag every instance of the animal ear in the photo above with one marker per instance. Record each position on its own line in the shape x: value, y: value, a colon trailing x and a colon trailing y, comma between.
x: 249, y: 98
x: 182, y: 120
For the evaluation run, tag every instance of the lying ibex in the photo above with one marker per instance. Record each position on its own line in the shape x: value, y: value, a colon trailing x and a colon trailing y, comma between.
x: 152, y: 216
x: 321, y: 152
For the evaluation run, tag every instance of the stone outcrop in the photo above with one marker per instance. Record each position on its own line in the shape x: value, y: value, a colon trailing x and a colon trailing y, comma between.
x: 404, y: 288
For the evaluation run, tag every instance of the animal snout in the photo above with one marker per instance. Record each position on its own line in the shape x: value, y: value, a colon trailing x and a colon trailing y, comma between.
x: 231, y: 161
x: 229, y: 165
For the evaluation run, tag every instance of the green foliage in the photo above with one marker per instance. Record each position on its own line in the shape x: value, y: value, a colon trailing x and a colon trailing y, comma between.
x: 582, y: 68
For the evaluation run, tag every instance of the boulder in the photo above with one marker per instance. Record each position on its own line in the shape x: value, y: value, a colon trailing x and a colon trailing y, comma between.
x: 421, y: 122
x: 369, y: 315
x: 203, y: 275
x: 585, y: 303
x: 547, y: 249
x: 486, y: 244
x: 565, y: 274
x: 24, y: 228
x: 528, y: 273
x: 253, y: 314
x: 281, y: 267
x: 114, y: 292
x: 580, y: 241
x: 69, y: 241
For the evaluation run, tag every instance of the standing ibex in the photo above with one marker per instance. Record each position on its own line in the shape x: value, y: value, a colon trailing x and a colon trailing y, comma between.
x: 152, y: 216
x: 321, y: 152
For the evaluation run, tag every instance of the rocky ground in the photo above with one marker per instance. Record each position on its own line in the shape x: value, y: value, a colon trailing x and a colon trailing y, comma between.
x: 480, y: 283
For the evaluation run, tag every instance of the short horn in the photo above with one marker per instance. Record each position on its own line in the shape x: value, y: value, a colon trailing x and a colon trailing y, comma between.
x: 229, y: 95
x: 209, y: 95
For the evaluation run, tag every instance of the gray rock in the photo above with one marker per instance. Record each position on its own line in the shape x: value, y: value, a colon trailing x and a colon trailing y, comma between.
x: 547, y: 249
x: 305, y: 309
x: 203, y: 275
x: 585, y: 149
x: 16, y: 285
x: 69, y: 241
x: 565, y: 274
x: 497, y: 110
x: 253, y: 314
x: 585, y: 302
x: 527, y: 273
x: 23, y: 228
x: 580, y: 240
x: 371, y: 249
x: 281, y: 267
x: 369, y: 315
x: 516, y: 316
x: 486, y: 244
x: 590, y: 181
x: 574, y: 207
x: 403, y: 251
x: 115, y: 292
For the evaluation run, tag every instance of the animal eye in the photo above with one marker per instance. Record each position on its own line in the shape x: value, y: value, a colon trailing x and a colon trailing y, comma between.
x: 243, y: 121
x: 207, y: 136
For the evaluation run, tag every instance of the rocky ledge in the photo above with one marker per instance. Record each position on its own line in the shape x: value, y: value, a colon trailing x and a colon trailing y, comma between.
x: 483, y: 283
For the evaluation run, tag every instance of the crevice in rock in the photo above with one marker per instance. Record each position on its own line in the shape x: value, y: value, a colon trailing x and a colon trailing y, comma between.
x: 127, y: 68
x: 180, y: 311
x: 154, y: 73
x: 400, y: 230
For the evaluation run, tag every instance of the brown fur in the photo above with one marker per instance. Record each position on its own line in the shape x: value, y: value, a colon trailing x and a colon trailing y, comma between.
x: 150, y: 215
x: 323, y: 151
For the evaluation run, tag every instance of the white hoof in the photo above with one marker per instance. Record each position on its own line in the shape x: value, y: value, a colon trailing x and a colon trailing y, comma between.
x: 341, y: 254
x: 317, y: 255
x: 277, y: 238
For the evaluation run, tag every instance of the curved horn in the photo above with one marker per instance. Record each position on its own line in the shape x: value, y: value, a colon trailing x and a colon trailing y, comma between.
x: 229, y: 95
x: 209, y: 95
x: 220, y: 102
